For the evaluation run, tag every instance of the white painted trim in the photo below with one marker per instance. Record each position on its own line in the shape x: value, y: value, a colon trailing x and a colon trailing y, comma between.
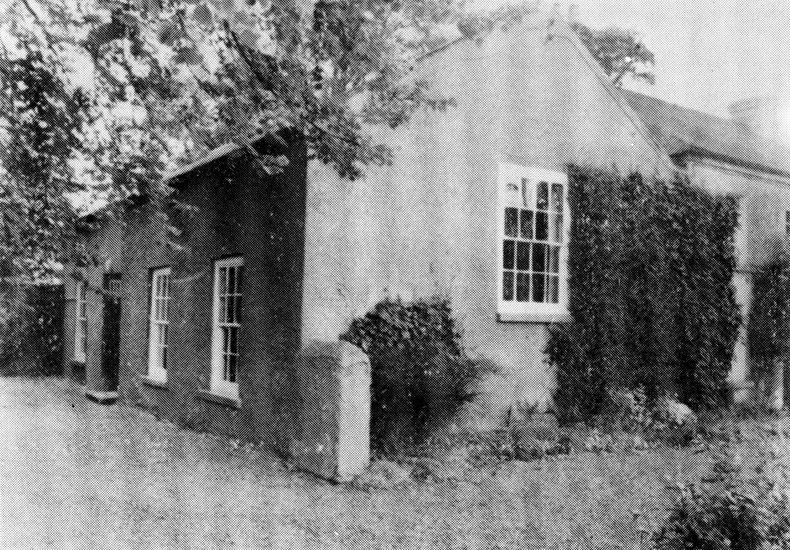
x: 155, y: 370
x: 219, y: 386
x: 512, y: 310
x: 749, y: 173
x: 80, y: 298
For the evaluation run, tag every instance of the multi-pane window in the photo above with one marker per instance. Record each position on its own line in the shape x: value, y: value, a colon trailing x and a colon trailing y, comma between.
x: 534, y: 222
x: 159, y: 324
x: 228, y: 276
x: 81, y: 323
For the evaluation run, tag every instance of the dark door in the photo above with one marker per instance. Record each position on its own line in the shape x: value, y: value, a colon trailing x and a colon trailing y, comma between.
x: 111, y: 330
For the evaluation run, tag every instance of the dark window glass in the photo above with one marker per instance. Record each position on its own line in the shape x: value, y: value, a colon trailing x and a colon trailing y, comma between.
x: 511, y: 222
x: 539, y: 257
x: 522, y: 287
x: 507, y: 286
x: 542, y: 226
x: 538, y: 283
x: 507, y: 254
x: 543, y: 196
x: 522, y: 256
x: 526, y: 224
x: 556, y: 197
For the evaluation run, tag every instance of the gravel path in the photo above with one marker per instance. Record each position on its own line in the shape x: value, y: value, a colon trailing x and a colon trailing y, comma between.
x: 74, y: 474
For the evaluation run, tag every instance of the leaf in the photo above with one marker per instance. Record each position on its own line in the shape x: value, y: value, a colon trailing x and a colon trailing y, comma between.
x: 203, y: 16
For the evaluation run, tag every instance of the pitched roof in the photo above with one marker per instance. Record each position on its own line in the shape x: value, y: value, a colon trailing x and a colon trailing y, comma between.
x: 682, y: 131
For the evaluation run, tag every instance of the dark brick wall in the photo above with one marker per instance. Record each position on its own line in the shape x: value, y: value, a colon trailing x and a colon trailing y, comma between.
x: 238, y: 213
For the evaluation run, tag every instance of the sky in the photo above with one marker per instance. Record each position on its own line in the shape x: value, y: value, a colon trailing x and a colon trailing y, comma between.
x: 709, y: 53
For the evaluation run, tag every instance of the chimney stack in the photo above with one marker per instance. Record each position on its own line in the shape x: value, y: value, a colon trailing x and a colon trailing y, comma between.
x: 762, y: 115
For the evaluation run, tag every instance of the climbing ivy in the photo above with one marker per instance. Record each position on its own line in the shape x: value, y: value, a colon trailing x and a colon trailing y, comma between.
x: 768, y: 330
x: 651, y: 296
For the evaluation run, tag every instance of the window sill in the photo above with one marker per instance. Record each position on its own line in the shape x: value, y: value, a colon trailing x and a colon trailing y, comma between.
x: 543, y: 318
x: 154, y: 382
x: 220, y: 399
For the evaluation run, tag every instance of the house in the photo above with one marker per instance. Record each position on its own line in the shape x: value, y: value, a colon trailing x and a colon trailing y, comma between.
x: 207, y: 336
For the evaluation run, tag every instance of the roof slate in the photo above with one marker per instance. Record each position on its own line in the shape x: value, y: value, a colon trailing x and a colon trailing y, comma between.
x: 682, y: 131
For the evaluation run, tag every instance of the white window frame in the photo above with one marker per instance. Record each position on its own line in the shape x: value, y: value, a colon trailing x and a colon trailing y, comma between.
x: 220, y: 384
x: 159, y: 324
x: 509, y: 177
x: 80, y: 322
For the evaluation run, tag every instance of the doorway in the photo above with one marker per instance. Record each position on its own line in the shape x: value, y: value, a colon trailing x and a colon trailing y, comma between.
x: 111, y: 331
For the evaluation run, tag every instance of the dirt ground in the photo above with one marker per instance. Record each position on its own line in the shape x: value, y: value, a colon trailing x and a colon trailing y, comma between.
x: 74, y: 474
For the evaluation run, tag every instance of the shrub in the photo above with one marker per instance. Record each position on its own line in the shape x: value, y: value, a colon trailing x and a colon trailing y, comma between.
x: 421, y: 375
x: 651, y: 300
x: 728, y: 511
x: 31, y: 320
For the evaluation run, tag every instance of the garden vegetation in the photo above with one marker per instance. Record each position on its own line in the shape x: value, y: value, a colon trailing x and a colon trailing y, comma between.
x: 651, y: 298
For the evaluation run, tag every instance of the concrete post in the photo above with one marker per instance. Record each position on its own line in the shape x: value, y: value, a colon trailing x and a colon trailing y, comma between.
x: 332, y: 428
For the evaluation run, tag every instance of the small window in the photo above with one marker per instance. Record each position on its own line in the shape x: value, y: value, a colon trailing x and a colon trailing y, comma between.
x: 81, y: 324
x: 159, y: 324
x: 534, y: 220
x: 228, y: 277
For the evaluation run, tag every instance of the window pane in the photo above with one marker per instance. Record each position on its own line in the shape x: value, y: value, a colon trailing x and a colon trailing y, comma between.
x: 556, y: 231
x: 539, y: 257
x: 507, y: 286
x: 543, y: 196
x: 526, y: 224
x: 164, y: 358
x: 522, y: 256
x: 239, y: 273
x: 542, y: 226
x: 231, y: 280
x: 223, y: 280
x: 522, y: 287
x: 554, y: 259
x: 538, y: 283
x: 230, y: 316
x: 554, y: 289
x: 232, y: 363
x: 223, y: 309
x: 508, y: 251
x: 233, y: 340
x: 556, y: 197
x: 526, y: 193
x: 511, y: 222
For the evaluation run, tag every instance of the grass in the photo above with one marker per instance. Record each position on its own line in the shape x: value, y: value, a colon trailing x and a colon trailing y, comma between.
x: 77, y: 474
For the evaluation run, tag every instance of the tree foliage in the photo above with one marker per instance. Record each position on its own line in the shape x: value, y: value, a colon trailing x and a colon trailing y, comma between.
x: 651, y: 298
x: 41, y: 123
x: 128, y: 87
x: 620, y: 52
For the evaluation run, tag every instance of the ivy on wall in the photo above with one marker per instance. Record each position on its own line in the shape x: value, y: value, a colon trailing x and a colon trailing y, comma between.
x: 768, y: 330
x: 651, y: 298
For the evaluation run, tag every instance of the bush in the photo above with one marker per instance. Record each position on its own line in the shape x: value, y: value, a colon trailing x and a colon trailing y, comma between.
x: 728, y: 511
x: 31, y: 320
x: 421, y: 375
x: 651, y: 300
